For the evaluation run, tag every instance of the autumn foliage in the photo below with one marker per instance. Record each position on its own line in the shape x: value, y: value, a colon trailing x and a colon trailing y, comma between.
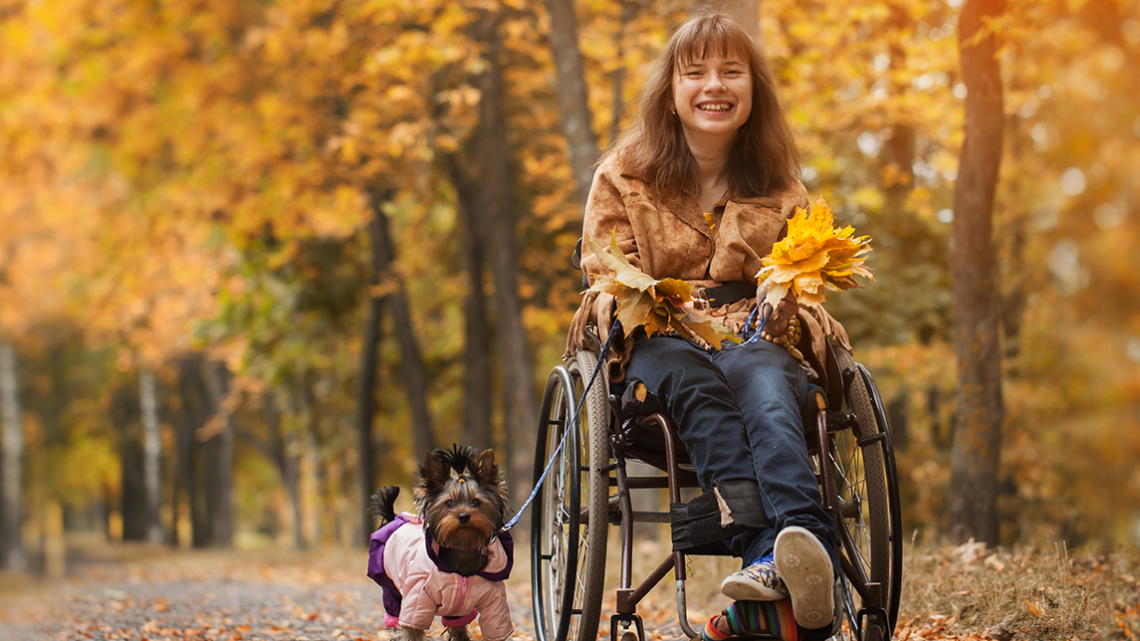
x: 190, y: 182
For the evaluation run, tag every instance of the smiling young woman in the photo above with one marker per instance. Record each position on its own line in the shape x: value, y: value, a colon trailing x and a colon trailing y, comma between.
x: 763, y: 160
x: 699, y: 189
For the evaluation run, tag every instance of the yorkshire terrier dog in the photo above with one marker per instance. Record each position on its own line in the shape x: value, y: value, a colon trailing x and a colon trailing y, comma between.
x: 454, y: 552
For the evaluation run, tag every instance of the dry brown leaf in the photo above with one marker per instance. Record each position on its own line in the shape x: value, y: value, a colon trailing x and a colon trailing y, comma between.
x: 1000, y: 633
x: 993, y: 562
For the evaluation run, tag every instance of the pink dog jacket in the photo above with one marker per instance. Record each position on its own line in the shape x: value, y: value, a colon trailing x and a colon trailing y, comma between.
x: 417, y: 585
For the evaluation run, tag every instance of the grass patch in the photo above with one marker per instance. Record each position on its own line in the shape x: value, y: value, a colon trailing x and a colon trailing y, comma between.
x: 1021, y: 593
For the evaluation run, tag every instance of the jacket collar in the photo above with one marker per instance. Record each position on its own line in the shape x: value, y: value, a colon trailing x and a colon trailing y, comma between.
x: 685, y: 207
x: 505, y: 541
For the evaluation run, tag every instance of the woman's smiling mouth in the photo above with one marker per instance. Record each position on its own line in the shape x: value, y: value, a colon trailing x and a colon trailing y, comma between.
x: 717, y: 107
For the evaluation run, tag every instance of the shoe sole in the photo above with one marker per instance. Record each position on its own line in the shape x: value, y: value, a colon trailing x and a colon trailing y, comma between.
x: 805, y: 567
x: 739, y: 589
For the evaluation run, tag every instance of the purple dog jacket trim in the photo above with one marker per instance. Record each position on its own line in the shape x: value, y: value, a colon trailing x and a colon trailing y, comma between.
x: 505, y: 539
x: 458, y: 622
x: 376, y: 542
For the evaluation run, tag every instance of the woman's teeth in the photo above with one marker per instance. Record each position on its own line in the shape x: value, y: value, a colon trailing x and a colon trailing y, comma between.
x: 716, y: 107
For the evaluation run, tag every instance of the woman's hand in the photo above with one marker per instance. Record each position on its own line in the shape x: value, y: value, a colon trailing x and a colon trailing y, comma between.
x: 778, y: 322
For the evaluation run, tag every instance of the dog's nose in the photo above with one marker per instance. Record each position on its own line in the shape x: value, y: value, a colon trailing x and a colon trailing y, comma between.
x: 464, y: 517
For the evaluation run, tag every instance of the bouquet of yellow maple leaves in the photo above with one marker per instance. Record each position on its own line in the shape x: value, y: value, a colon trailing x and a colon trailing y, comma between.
x: 813, y: 257
x: 656, y: 305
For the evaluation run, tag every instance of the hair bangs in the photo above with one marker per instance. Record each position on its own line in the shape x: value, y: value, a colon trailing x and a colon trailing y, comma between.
x: 716, y: 37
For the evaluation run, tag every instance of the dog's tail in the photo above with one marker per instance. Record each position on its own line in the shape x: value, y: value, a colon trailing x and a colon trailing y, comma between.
x: 383, y: 502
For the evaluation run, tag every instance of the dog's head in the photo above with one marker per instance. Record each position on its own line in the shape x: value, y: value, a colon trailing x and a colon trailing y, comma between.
x: 462, y: 497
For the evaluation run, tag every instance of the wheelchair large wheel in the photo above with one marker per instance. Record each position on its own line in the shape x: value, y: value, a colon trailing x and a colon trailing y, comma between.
x: 596, y: 488
x: 867, y: 489
x: 567, y: 545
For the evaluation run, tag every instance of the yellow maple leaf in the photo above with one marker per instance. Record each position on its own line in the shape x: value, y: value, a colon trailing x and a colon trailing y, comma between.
x: 814, y: 256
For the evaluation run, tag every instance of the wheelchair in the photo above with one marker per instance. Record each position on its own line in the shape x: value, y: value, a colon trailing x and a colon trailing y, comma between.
x: 850, y: 446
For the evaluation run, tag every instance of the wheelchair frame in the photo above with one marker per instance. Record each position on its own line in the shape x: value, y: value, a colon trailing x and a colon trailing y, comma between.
x: 571, y: 515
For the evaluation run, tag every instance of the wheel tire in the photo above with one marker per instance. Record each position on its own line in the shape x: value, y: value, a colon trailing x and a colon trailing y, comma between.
x: 894, y: 596
x: 596, y: 493
x: 863, y: 481
x: 555, y: 513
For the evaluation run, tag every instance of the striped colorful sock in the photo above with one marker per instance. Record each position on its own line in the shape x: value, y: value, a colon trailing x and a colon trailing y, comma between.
x: 711, y: 633
x: 754, y: 618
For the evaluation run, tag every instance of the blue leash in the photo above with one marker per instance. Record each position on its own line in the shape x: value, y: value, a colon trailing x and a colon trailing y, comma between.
x: 748, y: 323
x: 573, y: 425
x: 751, y: 338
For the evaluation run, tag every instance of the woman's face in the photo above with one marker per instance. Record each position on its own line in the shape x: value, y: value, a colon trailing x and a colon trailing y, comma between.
x: 713, y: 96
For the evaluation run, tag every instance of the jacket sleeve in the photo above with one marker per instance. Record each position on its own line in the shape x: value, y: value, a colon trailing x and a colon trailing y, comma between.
x: 605, y: 218
x: 495, y: 614
x: 418, y: 608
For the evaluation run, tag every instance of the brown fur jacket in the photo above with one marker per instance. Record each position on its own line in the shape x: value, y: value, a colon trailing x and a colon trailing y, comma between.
x: 670, y: 238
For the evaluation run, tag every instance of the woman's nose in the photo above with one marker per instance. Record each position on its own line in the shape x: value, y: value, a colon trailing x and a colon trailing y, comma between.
x: 715, y: 83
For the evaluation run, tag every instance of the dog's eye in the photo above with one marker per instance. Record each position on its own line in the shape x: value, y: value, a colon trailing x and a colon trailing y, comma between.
x: 474, y: 502
x: 450, y: 503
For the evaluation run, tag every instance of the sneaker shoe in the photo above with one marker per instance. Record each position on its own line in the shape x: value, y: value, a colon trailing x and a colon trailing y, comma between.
x: 805, y: 566
x: 757, y: 582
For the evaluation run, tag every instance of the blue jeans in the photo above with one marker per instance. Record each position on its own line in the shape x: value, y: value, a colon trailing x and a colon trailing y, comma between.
x: 740, y: 414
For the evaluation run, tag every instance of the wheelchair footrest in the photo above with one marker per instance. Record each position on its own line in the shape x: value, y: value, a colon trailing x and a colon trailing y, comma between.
x: 700, y: 526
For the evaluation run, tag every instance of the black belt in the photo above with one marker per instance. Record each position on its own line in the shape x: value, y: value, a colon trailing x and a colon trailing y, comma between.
x: 729, y: 293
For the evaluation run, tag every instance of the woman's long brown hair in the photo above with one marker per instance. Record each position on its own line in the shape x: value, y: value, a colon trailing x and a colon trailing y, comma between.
x: 763, y: 160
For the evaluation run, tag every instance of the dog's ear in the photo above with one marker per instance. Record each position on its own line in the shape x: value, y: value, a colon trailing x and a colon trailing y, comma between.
x: 434, y: 471
x: 485, y: 470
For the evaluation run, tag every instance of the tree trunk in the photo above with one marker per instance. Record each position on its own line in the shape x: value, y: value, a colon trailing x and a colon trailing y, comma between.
x: 617, y: 80
x: 195, y: 459
x: 309, y: 463
x: 220, y: 456
x: 746, y: 12
x: 977, y: 437
x: 477, y: 374
x: 496, y: 204
x: 312, y: 459
x: 286, y: 456
x: 573, y: 100
x: 152, y: 455
x: 411, y: 359
x: 132, y: 489
x: 366, y: 405
x: 185, y: 424
x: 900, y: 146
x: 11, y: 481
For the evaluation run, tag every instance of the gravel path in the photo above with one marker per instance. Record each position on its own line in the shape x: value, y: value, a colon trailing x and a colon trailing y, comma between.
x: 153, y: 593
x: 209, y: 597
